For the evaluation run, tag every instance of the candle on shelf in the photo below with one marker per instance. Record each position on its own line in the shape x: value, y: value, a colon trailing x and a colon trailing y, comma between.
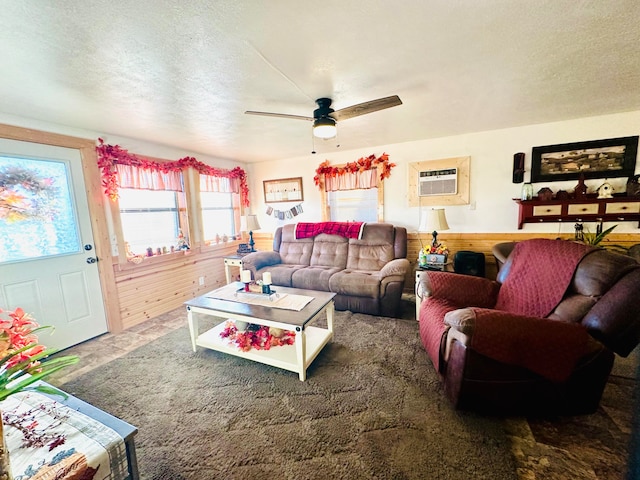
x: 245, y: 276
x: 266, y: 278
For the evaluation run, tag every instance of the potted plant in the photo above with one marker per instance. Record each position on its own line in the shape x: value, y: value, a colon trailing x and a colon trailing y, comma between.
x: 23, y: 362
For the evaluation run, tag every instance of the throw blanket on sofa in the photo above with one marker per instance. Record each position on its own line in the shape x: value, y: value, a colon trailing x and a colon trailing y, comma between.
x: 344, y: 229
x: 541, y: 272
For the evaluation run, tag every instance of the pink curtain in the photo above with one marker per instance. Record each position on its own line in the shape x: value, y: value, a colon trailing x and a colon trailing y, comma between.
x: 352, y: 181
x: 210, y: 183
x: 130, y: 176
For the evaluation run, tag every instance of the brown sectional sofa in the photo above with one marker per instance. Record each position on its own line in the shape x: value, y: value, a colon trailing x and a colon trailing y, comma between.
x: 367, y: 274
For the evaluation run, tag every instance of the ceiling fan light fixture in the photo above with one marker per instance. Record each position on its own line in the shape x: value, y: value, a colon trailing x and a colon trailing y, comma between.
x: 324, y: 128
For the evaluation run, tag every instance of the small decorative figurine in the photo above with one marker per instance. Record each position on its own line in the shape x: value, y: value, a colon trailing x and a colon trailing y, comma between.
x: 605, y: 190
x: 545, y: 194
x: 182, y: 242
x: 581, y: 189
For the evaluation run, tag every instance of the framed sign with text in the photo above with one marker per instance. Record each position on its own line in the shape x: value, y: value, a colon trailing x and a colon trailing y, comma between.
x: 283, y: 190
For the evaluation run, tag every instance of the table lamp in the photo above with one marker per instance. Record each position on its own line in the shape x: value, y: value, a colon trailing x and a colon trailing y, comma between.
x: 250, y: 223
x: 433, y: 220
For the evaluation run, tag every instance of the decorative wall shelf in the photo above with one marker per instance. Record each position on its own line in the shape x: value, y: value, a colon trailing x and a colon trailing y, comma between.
x: 588, y: 209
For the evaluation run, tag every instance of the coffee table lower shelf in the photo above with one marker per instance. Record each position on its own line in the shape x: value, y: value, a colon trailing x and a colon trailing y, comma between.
x: 284, y: 357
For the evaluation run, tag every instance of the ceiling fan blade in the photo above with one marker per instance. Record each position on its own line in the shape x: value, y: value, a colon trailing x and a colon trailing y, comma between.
x: 281, y: 115
x: 366, y: 107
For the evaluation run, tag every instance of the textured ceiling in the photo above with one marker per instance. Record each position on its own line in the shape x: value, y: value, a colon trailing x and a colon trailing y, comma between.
x: 183, y: 73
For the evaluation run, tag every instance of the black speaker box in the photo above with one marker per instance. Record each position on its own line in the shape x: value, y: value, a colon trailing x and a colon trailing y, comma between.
x: 469, y: 263
x: 518, y: 167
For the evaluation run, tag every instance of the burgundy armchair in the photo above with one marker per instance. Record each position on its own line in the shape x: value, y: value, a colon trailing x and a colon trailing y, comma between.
x: 542, y: 337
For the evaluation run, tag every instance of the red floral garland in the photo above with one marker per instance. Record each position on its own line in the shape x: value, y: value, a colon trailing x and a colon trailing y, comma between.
x: 360, y: 165
x: 261, y: 338
x: 110, y: 155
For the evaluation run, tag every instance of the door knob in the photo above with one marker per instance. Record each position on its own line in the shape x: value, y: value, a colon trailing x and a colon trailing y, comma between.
x: 92, y: 260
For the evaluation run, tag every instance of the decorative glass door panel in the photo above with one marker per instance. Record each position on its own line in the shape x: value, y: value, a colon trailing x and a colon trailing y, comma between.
x: 37, y: 218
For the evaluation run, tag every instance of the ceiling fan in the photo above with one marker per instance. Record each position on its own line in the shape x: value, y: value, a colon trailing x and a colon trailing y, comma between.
x: 325, y: 118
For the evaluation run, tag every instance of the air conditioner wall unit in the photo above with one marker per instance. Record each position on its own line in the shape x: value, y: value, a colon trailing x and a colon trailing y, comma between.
x: 438, y: 182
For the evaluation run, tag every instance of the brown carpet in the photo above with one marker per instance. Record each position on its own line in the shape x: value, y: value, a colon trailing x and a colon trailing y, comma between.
x: 372, y: 407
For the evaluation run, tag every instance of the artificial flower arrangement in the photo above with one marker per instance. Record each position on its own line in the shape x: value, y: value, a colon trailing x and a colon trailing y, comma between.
x: 433, y: 254
x: 23, y: 361
x: 439, y: 249
x: 259, y: 337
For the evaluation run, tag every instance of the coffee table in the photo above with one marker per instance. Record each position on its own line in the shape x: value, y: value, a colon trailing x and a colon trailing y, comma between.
x: 309, y: 340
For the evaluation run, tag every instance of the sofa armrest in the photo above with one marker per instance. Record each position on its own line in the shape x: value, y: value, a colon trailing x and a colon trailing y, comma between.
x: 396, y: 267
x: 257, y: 260
x: 547, y: 347
x: 462, y: 290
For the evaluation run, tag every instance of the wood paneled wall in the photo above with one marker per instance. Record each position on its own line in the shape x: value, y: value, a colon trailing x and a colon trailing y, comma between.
x: 165, y: 283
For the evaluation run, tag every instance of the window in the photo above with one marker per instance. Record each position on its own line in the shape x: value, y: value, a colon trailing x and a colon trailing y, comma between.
x: 353, y: 196
x: 37, y: 216
x: 150, y: 219
x: 165, y: 206
x: 218, y: 215
x: 353, y: 205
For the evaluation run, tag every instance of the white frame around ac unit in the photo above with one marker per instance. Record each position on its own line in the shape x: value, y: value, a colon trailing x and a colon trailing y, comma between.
x: 460, y: 198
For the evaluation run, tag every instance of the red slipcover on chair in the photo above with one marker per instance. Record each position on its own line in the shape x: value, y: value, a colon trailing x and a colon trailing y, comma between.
x: 540, y: 338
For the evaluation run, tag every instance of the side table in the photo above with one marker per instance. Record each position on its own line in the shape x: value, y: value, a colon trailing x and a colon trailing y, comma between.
x: 442, y: 267
x: 231, y: 261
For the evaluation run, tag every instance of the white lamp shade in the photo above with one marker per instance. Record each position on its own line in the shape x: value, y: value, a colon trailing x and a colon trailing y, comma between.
x: 433, y: 220
x: 249, y: 223
x: 252, y: 223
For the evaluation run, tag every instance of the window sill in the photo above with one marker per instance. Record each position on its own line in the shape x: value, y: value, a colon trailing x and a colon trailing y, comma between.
x: 216, y: 250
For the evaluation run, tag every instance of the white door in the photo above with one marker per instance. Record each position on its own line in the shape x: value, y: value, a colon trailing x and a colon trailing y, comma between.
x: 47, y: 255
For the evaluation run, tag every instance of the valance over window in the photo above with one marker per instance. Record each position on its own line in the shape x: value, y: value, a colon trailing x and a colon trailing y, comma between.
x: 121, y: 169
x: 210, y: 183
x: 352, y: 181
x: 131, y: 176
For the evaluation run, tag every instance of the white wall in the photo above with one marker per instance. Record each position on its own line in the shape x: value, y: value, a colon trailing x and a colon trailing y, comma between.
x: 135, y: 146
x: 491, y: 189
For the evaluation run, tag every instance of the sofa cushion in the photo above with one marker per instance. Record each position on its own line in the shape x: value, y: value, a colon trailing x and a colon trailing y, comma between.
x: 374, y: 250
x: 293, y: 251
x: 330, y: 251
x: 599, y: 270
x: 358, y: 283
x: 315, y: 277
x: 281, y: 274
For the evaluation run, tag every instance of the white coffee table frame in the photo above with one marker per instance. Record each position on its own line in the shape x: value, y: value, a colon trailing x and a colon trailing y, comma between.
x: 309, y: 340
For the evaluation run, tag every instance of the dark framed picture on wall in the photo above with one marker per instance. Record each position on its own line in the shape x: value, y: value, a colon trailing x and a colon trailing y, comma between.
x: 613, y: 157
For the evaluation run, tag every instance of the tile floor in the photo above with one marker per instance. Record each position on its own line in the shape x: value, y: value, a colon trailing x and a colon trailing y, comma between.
x: 590, y: 447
